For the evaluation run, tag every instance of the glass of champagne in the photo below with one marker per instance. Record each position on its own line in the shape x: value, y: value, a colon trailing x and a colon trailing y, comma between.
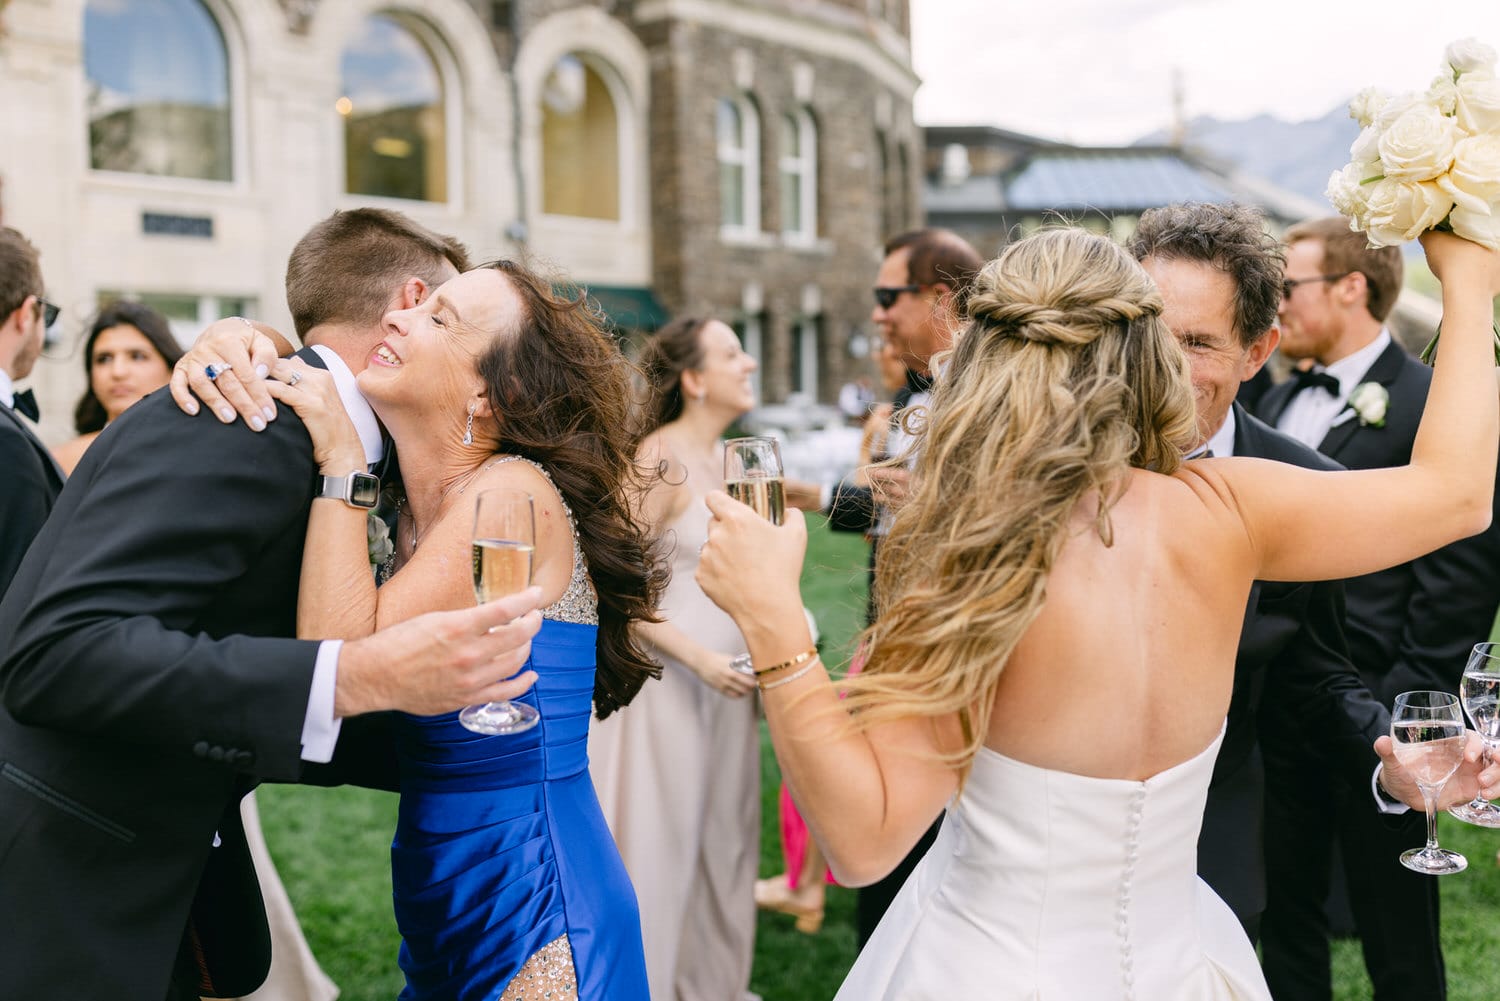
x: 1427, y: 732
x: 1480, y: 692
x: 752, y: 475
x: 504, y: 542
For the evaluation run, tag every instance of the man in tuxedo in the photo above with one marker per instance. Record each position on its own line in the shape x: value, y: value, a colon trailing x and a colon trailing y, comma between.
x: 1220, y: 279
x: 1409, y: 627
x: 919, y: 291
x: 148, y: 679
x: 32, y: 478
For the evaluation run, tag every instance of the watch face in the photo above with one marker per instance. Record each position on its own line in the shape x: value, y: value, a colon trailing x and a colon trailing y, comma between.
x: 364, y: 490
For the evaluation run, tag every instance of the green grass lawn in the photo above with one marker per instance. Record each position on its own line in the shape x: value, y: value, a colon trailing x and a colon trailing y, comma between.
x: 332, y: 847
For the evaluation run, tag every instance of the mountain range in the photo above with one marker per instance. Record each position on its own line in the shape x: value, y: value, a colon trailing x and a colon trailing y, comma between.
x: 1297, y: 156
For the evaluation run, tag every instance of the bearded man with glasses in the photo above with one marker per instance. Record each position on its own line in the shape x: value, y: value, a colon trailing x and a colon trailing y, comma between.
x: 1409, y: 628
x: 32, y: 479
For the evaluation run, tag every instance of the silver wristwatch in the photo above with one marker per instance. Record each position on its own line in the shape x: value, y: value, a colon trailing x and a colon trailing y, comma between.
x: 361, y: 490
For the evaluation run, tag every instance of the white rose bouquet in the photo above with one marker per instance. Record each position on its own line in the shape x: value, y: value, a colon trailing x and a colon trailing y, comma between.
x: 1428, y: 160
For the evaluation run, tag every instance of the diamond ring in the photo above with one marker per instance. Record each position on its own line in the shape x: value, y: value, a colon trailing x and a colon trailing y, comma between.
x: 214, y: 371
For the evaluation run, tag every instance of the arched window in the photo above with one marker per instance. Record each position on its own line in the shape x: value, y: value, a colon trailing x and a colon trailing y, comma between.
x: 580, y: 143
x: 158, y: 89
x: 737, y: 128
x: 799, y: 176
x: 882, y: 186
x: 395, y: 121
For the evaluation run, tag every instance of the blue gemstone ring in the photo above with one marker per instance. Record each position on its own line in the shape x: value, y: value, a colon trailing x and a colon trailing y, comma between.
x: 214, y: 371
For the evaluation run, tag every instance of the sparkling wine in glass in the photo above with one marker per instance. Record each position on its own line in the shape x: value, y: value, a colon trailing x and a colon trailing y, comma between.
x: 752, y: 475
x: 1480, y: 693
x: 504, y: 543
x: 1427, y: 732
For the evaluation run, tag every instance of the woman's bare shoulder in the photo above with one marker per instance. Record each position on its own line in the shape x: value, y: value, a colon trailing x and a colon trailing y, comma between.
x: 70, y: 453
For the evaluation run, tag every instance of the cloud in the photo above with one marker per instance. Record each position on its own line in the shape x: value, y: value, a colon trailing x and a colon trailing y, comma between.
x: 1102, y: 72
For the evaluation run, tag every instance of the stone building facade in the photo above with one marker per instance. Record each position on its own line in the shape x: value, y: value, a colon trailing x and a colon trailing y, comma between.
x: 740, y: 158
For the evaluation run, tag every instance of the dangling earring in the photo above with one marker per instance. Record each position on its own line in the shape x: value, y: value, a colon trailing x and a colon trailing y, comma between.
x: 469, y: 428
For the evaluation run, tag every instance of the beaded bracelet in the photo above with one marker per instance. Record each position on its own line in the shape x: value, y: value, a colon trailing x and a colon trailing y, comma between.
x: 801, y: 658
x: 790, y: 677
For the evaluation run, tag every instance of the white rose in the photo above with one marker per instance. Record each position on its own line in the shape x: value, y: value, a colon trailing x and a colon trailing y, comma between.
x: 1365, y: 150
x: 1398, y: 211
x: 1370, y: 400
x: 1395, y: 107
x: 1443, y: 94
x: 1468, y: 55
x: 1418, y: 146
x: 1482, y: 229
x: 1478, y: 104
x: 1366, y: 105
x: 1345, y: 192
x: 1474, y: 179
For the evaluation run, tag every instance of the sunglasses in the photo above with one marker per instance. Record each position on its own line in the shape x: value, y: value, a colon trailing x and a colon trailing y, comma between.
x: 886, y: 295
x: 1289, y: 285
x: 49, y: 311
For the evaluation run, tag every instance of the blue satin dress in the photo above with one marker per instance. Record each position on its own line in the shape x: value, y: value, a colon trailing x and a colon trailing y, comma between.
x: 506, y: 881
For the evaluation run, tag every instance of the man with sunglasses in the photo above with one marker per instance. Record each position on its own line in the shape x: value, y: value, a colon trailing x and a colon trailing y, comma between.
x: 1409, y: 628
x: 32, y: 479
x: 919, y: 292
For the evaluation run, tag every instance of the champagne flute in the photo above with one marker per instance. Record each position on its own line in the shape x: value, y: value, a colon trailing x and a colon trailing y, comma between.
x: 1427, y: 734
x: 1480, y: 692
x: 752, y: 475
x: 504, y: 542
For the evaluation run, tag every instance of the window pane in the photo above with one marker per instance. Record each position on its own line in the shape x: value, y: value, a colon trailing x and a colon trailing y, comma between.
x: 791, y: 202
x: 580, y: 143
x: 729, y: 128
x: 395, y: 135
x: 158, y: 89
x: 731, y: 194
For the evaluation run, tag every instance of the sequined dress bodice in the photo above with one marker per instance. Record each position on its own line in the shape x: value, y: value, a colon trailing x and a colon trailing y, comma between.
x: 1074, y: 887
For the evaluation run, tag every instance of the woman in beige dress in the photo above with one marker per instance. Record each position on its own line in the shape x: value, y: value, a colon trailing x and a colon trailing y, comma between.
x: 678, y: 775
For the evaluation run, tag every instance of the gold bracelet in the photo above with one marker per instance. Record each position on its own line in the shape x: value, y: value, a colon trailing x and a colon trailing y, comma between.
x: 790, y: 677
x: 801, y: 658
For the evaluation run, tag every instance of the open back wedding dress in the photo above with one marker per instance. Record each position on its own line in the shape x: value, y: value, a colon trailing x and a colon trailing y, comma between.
x: 1049, y: 886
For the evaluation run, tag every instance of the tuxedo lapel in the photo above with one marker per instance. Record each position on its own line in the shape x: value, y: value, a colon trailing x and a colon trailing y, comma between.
x: 1385, y: 371
x: 1274, y: 402
x: 54, y: 471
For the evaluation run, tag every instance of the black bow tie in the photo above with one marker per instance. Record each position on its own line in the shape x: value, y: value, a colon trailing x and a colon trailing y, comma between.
x: 917, y: 382
x: 26, y: 404
x: 1310, y: 378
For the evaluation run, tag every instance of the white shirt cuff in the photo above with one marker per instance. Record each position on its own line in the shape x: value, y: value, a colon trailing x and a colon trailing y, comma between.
x: 1383, y: 802
x: 320, y: 727
x: 825, y: 496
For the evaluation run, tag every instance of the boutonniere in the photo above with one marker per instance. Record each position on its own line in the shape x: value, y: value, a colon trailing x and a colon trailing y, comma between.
x: 378, y: 536
x: 1368, y: 402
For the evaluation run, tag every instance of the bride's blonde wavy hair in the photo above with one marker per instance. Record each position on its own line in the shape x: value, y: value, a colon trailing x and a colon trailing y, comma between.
x: 1063, y: 379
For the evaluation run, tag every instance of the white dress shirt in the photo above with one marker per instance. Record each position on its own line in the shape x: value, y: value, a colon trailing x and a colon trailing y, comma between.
x: 1310, y: 413
x: 320, y: 727
x: 7, y: 390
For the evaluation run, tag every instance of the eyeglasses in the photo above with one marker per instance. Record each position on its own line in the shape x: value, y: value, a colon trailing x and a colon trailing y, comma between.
x: 1289, y: 285
x: 886, y: 295
x: 49, y: 311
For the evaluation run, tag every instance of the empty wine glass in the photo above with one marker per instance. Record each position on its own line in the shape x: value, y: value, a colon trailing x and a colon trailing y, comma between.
x: 504, y: 542
x: 1480, y: 692
x: 752, y: 475
x: 1427, y: 734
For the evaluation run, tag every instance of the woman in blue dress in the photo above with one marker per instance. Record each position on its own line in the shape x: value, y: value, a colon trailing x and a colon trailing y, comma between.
x: 506, y: 881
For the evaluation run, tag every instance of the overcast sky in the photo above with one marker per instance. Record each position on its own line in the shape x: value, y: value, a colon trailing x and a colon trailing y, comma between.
x: 1100, y: 71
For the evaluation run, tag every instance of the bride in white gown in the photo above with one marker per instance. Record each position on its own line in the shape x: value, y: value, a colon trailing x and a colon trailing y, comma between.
x: 1053, y: 661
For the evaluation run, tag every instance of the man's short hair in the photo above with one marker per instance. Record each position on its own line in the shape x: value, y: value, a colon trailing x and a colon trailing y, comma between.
x: 349, y: 266
x: 20, y: 271
x: 1231, y: 238
x: 1345, y: 252
x: 939, y: 255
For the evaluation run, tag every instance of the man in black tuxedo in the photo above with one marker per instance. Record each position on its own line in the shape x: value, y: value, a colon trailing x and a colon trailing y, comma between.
x: 1220, y: 278
x: 148, y: 681
x: 919, y: 295
x: 1409, y: 627
x: 32, y: 479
